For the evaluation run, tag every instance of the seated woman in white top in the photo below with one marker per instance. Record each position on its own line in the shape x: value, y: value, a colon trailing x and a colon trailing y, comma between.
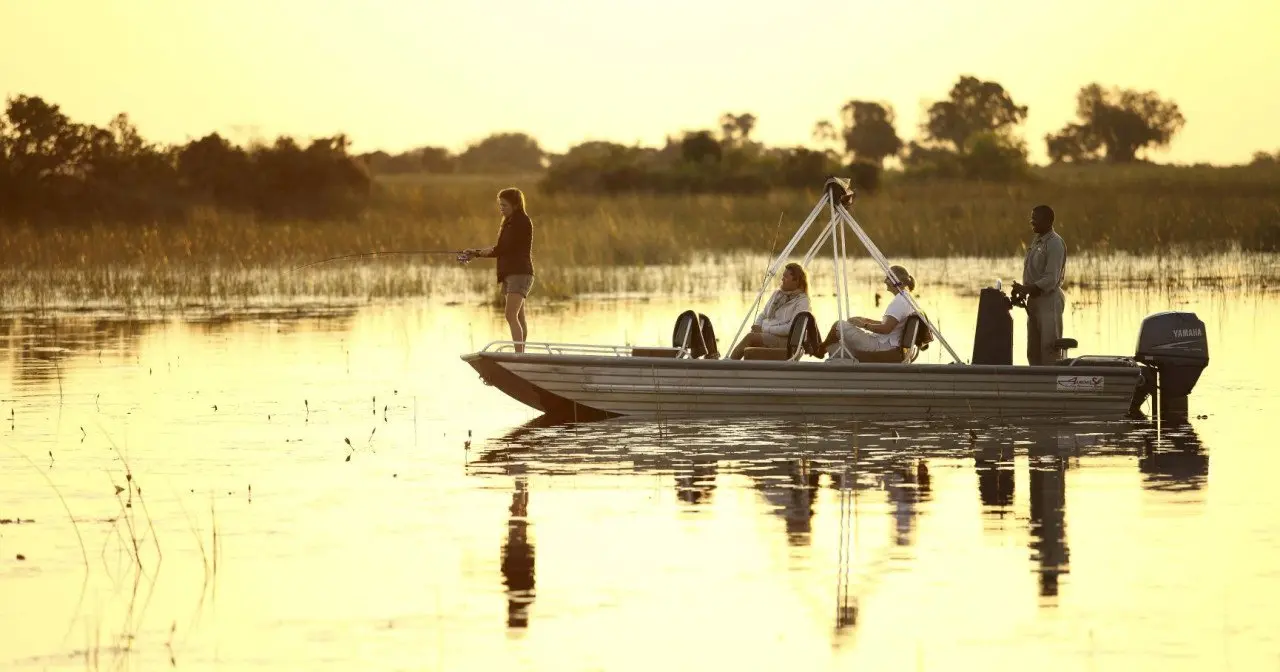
x: 774, y: 322
x: 868, y: 335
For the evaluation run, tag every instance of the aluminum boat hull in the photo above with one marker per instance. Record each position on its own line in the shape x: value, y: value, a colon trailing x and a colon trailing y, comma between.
x: 600, y: 386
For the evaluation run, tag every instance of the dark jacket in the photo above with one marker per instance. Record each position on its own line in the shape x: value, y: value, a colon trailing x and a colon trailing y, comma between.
x: 514, y: 249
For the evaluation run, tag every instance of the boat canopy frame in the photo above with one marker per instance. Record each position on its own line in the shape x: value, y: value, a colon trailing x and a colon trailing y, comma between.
x: 836, y: 197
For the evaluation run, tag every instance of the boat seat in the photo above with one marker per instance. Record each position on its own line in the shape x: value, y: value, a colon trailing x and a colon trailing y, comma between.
x: 802, y: 339
x: 770, y: 354
x: 894, y: 356
x: 1061, y: 346
x: 655, y: 352
x: 693, y: 331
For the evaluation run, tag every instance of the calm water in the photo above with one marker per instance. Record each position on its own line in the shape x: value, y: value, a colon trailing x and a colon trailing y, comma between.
x: 339, y: 491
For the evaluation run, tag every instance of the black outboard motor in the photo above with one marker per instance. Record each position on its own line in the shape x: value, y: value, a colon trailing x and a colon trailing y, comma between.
x: 1175, y: 346
x: 993, y: 336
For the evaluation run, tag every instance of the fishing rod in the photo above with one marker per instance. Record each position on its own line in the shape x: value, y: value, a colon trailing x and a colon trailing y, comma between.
x: 460, y: 254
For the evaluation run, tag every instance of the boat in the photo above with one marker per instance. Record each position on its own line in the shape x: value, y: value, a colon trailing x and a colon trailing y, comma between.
x: 579, y: 382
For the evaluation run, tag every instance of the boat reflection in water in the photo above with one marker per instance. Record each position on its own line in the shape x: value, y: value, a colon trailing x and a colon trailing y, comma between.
x: 891, y: 468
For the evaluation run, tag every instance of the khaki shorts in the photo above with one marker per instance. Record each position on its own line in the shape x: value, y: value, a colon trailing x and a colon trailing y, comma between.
x: 773, y: 340
x: 518, y: 284
x: 856, y: 339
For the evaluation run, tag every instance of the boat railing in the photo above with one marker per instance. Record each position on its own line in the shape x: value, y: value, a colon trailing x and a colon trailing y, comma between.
x: 579, y: 349
x: 1102, y: 360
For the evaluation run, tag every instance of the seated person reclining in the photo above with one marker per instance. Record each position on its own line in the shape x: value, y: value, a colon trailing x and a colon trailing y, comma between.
x: 774, y: 322
x: 876, y: 340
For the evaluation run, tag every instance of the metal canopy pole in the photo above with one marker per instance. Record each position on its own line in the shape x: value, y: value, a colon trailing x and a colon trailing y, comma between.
x: 842, y: 282
x: 781, y: 259
x: 817, y: 245
x: 828, y: 234
x: 836, y: 234
x: 884, y: 263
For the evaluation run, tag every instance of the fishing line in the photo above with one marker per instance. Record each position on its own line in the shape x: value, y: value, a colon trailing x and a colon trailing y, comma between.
x: 458, y: 253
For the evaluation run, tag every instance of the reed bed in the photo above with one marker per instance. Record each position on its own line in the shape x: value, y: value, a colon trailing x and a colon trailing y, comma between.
x: 644, y: 243
x: 274, y: 291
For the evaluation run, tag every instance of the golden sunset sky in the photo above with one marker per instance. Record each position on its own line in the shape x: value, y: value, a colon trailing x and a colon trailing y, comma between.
x: 396, y: 74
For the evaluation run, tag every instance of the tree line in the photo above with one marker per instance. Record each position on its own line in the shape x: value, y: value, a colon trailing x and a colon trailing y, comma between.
x: 972, y: 133
x: 52, y: 168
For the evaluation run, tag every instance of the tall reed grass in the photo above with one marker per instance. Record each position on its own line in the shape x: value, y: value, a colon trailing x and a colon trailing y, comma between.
x: 1153, y: 211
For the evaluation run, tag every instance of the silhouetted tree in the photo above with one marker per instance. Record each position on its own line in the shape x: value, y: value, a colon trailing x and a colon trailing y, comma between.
x: 736, y: 128
x: 926, y: 161
x: 1072, y: 145
x: 437, y: 160
x: 383, y: 163
x: 599, y: 167
x: 1116, y: 123
x: 991, y: 155
x: 502, y: 153
x: 424, y: 159
x: 312, y: 182
x: 1265, y: 158
x: 972, y: 106
x: 987, y: 156
x: 216, y: 172
x: 868, y: 132
x: 57, y: 170
x: 700, y: 147
x: 978, y: 117
x: 123, y: 173
x: 825, y: 135
x: 43, y: 140
x: 802, y: 167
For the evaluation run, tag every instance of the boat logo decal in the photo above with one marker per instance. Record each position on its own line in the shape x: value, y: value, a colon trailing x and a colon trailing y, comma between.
x: 1080, y: 383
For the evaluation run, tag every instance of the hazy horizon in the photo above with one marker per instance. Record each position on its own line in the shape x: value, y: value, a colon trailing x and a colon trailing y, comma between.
x: 400, y: 75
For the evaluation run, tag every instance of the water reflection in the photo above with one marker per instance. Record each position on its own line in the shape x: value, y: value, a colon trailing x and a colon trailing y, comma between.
x: 788, y: 466
x: 993, y: 461
x: 1174, y: 459
x: 868, y: 537
x: 907, y: 486
x: 790, y: 487
x: 847, y: 602
x: 39, y: 347
x: 517, y: 558
x: 1047, y: 467
x: 695, y: 486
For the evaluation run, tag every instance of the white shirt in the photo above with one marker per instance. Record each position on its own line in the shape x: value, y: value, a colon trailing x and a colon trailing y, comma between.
x: 900, y: 308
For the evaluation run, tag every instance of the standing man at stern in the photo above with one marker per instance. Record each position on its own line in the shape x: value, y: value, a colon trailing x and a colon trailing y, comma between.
x: 1041, y: 287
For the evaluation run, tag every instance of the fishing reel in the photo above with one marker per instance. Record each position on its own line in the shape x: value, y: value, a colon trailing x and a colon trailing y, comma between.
x: 463, y: 258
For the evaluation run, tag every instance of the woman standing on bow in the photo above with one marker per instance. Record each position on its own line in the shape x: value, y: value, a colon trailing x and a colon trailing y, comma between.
x: 514, y: 254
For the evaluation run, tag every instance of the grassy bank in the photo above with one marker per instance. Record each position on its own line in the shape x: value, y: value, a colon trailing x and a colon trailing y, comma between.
x: 1140, y: 210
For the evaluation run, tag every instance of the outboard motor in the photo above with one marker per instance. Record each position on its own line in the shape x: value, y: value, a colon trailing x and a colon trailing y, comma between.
x: 1175, y: 346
